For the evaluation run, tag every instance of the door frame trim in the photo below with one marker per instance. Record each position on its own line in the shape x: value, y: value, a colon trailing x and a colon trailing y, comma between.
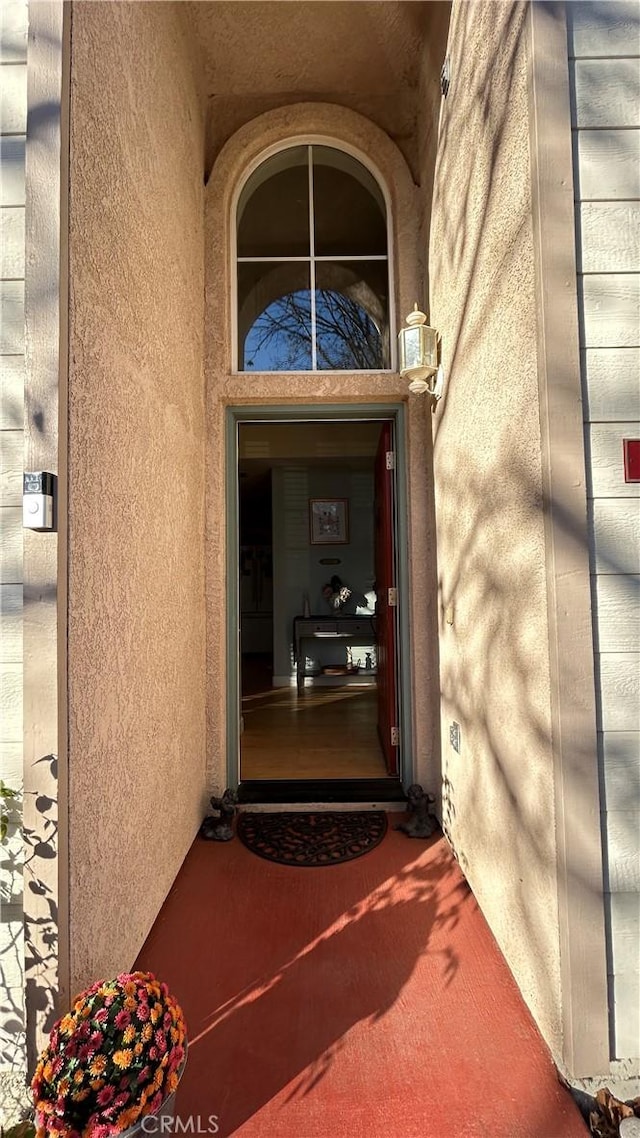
x: 394, y: 412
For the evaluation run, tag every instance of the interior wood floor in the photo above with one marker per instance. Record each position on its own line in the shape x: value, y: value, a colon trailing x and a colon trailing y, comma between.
x: 327, y: 732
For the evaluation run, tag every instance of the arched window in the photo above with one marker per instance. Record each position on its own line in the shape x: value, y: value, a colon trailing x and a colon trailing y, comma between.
x: 313, y: 273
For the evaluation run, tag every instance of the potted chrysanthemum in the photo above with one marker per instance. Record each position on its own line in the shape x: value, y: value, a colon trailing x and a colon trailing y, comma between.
x: 116, y: 1057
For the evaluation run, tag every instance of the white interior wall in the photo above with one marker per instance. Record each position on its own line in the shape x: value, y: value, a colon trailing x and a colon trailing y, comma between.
x: 297, y: 567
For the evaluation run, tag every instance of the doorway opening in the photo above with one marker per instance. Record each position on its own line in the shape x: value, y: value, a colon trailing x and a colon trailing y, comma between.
x: 317, y: 622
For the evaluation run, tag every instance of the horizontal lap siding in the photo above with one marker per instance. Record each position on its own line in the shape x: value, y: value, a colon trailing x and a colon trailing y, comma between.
x: 13, y: 117
x: 610, y: 235
x: 604, y: 61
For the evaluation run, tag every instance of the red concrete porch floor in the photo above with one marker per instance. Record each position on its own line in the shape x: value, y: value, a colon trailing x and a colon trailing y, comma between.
x: 363, y: 1000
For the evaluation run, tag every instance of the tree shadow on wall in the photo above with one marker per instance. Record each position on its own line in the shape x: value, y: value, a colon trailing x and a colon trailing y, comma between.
x: 29, y: 954
x: 11, y: 935
x: 490, y: 507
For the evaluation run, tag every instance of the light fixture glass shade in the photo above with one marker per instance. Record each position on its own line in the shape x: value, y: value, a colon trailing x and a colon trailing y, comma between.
x: 418, y: 351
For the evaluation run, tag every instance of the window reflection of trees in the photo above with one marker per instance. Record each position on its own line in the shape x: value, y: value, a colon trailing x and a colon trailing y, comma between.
x: 313, y: 273
x: 346, y: 336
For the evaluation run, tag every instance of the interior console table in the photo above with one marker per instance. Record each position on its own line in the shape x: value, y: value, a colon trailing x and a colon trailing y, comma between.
x: 328, y: 627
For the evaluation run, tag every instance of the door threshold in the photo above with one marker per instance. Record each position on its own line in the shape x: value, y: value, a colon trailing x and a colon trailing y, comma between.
x: 320, y: 807
x: 287, y: 791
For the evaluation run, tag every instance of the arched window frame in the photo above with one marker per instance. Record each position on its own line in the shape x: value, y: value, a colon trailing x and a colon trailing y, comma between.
x: 359, y: 156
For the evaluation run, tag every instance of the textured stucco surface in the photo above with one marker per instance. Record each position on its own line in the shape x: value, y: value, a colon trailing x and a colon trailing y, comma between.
x: 498, y: 792
x: 224, y: 389
x: 364, y: 56
x: 136, y: 487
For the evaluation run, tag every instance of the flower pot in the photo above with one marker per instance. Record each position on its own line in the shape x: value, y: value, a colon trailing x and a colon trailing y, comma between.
x: 119, y: 1049
x: 162, y: 1122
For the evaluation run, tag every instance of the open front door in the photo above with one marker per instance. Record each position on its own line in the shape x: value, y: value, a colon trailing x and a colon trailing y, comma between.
x: 385, y: 592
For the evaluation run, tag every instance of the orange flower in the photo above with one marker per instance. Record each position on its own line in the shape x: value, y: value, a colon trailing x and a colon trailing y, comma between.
x: 127, y: 1117
x: 96, y: 1084
x: 80, y: 1096
x: 130, y: 1003
x: 172, y: 1083
x: 138, y: 1049
x: 123, y: 1058
x: 129, y: 1034
x: 97, y: 1065
x: 67, y: 1024
x: 147, y: 1032
x: 130, y: 988
x: 78, y: 1077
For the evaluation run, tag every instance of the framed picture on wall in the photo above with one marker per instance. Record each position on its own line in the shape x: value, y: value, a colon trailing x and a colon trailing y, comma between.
x: 329, y: 521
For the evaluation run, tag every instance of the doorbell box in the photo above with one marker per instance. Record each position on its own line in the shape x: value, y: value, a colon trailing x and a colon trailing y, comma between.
x: 37, y: 499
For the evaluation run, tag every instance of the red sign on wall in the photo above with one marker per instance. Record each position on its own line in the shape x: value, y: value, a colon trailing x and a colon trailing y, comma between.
x: 631, y: 448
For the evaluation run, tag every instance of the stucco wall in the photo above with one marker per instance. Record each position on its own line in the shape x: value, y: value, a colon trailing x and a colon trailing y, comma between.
x: 498, y: 790
x: 434, y: 50
x: 136, y: 492
x: 362, y: 55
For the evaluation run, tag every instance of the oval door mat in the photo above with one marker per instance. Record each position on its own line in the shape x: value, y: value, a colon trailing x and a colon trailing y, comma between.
x: 309, y: 839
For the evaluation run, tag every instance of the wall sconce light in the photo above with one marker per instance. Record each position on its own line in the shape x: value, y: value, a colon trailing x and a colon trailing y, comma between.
x: 418, y: 355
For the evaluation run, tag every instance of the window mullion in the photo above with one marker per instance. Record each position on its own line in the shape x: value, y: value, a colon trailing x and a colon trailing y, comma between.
x: 312, y: 264
x: 268, y: 260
